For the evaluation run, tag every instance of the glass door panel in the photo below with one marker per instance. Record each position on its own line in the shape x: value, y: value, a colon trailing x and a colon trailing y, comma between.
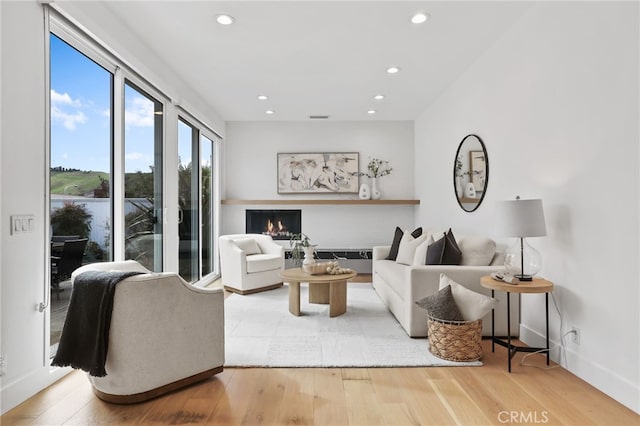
x: 206, y: 170
x: 143, y: 178
x: 79, y: 170
x: 188, y: 189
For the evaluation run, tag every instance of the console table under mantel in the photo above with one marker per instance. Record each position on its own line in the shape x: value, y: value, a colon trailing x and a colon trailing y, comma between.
x: 319, y: 202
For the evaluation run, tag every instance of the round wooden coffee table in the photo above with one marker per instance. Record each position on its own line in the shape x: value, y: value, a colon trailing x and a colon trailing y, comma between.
x: 324, y: 289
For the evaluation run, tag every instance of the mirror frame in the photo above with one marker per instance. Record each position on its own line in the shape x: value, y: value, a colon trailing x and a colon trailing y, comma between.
x: 486, y: 180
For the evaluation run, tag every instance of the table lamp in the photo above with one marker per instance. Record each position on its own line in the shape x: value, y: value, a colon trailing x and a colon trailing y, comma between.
x: 522, y: 219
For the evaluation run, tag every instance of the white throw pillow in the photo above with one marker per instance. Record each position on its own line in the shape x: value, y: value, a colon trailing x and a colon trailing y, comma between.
x: 472, y: 305
x: 248, y: 245
x: 407, y: 248
x: 476, y: 250
x: 420, y: 256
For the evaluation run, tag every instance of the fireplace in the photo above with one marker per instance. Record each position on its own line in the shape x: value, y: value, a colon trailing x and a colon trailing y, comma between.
x: 279, y: 224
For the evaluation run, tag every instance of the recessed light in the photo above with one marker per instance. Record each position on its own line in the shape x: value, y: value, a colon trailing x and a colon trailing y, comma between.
x: 393, y: 70
x: 371, y: 111
x: 269, y: 111
x: 224, y: 19
x: 263, y: 97
x: 378, y: 97
x: 420, y: 17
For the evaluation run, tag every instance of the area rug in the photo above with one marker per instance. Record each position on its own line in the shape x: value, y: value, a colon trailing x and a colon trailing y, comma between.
x: 260, y: 332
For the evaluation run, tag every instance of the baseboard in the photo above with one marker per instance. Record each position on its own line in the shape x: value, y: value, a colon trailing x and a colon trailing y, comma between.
x: 597, y: 375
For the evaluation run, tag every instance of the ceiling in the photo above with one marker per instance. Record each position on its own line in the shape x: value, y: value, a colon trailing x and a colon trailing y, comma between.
x: 318, y: 57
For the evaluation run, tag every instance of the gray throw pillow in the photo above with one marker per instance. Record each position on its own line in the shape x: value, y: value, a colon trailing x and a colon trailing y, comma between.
x: 435, y: 252
x: 451, y: 254
x: 441, y: 305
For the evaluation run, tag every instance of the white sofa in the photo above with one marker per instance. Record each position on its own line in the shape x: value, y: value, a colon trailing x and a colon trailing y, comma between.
x: 250, y: 263
x: 400, y: 286
x: 164, y: 334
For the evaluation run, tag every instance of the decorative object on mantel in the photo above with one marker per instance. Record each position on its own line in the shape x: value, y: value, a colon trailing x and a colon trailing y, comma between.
x: 377, y: 168
x: 471, y: 186
x: 301, y: 245
x: 318, y: 172
x: 521, y: 219
x: 365, y: 192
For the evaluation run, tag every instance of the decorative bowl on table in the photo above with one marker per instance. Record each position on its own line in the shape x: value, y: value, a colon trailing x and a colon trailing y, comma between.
x: 317, y: 268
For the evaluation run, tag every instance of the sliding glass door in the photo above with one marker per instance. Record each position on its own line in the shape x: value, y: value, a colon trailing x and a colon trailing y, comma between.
x: 143, y: 177
x: 80, y: 170
x: 188, y: 201
x: 197, y: 202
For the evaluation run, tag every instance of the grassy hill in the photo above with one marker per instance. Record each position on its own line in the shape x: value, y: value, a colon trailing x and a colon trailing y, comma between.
x: 79, y: 182
x: 76, y: 182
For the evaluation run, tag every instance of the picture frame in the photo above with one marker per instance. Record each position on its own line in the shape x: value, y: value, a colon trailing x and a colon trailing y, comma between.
x: 318, y: 172
x: 478, y: 169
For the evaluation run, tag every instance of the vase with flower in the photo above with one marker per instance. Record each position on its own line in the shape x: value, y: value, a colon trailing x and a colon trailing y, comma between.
x: 376, y: 169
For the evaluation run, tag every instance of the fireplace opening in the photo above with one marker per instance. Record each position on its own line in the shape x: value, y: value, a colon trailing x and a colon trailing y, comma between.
x: 279, y: 224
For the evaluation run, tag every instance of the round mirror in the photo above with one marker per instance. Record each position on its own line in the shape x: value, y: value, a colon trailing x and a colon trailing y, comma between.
x: 470, y: 173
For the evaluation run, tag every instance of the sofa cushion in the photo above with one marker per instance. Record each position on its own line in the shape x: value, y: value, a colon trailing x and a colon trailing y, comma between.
x: 444, y: 251
x: 435, y: 252
x: 472, y: 305
x: 393, y: 274
x: 477, y: 250
x: 263, y: 262
x: 407, y: 248
x: 441, y: 305
x: 248, y: 245
x: 397, y: 237
x: 420, y: 256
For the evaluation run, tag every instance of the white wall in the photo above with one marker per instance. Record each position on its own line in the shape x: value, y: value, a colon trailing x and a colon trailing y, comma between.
x: 250, y: 171
x: 556, y: 101
x: 23, y: 184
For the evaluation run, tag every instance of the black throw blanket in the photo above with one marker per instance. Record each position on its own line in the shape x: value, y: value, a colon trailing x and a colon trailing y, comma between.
x: 85, y: 334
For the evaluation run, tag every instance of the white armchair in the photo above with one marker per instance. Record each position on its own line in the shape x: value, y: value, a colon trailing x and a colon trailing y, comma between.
x: 164, y: 334
x: 250, y: 263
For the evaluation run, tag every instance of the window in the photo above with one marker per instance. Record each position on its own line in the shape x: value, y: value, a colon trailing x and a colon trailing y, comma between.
x: 207, y: 197
x: 197, y: 202
x: 79, y: 169
x: 107, y: 168
x: 143, y: 178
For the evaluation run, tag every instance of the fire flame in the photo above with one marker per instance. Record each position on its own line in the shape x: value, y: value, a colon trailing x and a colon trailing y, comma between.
x: 271, y: 228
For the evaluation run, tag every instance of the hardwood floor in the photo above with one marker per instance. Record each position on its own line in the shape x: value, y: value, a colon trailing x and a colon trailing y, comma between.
x: 485, y: 395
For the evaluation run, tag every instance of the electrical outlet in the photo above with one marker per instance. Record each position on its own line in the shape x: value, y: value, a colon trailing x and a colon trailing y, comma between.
x: 575, y: 335
x: 3, y: 364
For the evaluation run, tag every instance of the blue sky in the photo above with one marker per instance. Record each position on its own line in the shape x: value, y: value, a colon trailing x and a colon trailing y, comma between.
x: 80, y: 115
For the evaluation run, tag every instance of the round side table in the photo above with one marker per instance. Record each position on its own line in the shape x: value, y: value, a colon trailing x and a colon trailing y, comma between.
x: 538, y: 285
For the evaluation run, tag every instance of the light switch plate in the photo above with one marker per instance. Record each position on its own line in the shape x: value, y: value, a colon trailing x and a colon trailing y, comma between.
x: 22, y: 223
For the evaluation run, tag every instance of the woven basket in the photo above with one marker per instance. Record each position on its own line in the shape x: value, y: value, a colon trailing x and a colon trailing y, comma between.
x: 455, y: 340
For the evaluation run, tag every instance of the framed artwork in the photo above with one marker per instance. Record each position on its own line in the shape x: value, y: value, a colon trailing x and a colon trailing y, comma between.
x: 478, y: 169
x: 318, y: 172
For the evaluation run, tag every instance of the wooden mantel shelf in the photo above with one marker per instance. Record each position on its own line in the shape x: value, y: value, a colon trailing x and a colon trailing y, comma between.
x: 321, y: 202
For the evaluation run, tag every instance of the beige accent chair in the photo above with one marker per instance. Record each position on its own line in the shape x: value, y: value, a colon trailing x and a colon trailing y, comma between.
x: 165, y: 334
x: 250, y: 263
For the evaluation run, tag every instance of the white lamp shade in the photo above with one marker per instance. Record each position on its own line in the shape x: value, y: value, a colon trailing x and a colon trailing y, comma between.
x: 521, y: 218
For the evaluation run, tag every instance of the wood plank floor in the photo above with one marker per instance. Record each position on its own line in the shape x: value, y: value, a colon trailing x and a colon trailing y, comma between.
x: 486, y: 395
